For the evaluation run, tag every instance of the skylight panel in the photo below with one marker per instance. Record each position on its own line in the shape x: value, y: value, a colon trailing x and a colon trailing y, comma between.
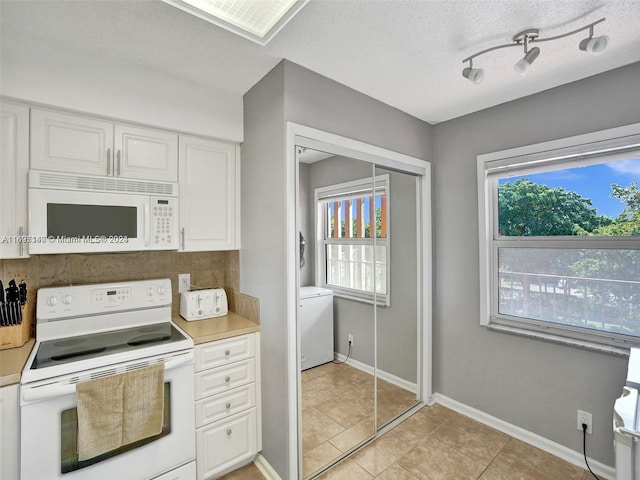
x: 256, y: 20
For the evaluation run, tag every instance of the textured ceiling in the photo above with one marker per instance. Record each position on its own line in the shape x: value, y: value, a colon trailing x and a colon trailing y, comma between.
x: 407, y: 54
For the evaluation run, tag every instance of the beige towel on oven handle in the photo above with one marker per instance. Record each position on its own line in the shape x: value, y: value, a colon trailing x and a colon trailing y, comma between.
x: 143, y: 404
x: 100, y: 406
x: 119, y: 410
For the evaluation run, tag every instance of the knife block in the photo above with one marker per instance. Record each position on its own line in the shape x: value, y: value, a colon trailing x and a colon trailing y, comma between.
x: 17, y: 335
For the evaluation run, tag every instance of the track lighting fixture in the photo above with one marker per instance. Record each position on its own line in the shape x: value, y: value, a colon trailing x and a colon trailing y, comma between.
x: 591, y: 44
x: 473, y: 74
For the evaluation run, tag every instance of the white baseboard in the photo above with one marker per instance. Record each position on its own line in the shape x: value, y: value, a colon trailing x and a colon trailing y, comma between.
x: 389, y: 377
x: 560, y: 451
x: 265, y: 468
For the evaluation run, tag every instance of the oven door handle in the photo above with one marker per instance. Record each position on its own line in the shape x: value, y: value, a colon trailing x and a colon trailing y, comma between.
x: 34, y: 394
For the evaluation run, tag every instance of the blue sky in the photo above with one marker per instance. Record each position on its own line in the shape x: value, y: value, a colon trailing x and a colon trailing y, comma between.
x: 593, y: 181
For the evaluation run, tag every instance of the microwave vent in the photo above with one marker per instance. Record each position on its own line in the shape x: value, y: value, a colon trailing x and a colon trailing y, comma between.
x: 103, y: 184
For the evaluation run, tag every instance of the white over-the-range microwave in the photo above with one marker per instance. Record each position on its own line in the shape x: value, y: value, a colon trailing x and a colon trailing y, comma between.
x: 71, y: 213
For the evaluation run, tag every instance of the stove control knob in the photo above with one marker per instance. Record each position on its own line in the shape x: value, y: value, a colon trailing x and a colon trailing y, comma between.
x: 150, y: 291
x: 160, y: 290
x: 67, y: 299
x: 52, y: 301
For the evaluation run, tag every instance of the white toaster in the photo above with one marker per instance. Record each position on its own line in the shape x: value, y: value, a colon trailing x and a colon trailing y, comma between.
x: 201, y: 304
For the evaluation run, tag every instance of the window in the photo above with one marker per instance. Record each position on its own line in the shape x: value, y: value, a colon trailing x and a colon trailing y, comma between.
x: 560, y: 239
x: 356, y: 261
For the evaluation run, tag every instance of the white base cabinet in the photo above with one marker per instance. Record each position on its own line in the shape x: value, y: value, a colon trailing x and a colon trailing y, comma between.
x: 14, y: 166
x: 228, y: 433
x: 9, y: 433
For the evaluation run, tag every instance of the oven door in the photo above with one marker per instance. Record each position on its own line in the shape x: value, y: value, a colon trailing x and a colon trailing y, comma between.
x: 49, y: 429
x: 63, y: 221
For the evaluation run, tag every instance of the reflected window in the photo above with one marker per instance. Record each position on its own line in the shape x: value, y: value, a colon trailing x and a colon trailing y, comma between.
x: 354, y: 228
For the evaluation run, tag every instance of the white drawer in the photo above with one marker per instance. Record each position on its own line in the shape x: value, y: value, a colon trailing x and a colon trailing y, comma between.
x: 223, y: 444
x: 185, y: 472
x: 223, y: 379
x: 218, y: 407
x: 224, y: 352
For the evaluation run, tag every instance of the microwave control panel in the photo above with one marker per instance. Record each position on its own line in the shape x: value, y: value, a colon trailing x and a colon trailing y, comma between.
x: 164, y: 223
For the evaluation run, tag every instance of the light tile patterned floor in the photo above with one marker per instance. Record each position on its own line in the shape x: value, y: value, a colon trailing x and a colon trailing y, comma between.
x: 338, y: 411
x: 435, y: 443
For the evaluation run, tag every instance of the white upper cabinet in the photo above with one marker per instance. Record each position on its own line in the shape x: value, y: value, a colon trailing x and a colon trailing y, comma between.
x: 66, y: 142
x: 209, y: 194
x: 14, y: 165
x: 146, y: 153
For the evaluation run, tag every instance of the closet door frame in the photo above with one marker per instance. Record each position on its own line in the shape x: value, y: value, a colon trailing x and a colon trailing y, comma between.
x: 301, y: 135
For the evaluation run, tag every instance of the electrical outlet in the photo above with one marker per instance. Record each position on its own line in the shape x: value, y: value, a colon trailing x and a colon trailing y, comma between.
x: 584, y: 417
x: 350, y: 339
x: 184, y: 282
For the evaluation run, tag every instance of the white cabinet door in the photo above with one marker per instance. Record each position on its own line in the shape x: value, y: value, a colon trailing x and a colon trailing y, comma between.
x: 66, y: 142
x: 9, y: 432
x: 224, y: 444
x: 145, y: 153
x: 209, y: 194
x: 14, y: 165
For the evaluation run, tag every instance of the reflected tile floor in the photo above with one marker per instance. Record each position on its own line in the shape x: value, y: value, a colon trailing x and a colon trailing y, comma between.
x: 435, y: 443
x: 338, y: 411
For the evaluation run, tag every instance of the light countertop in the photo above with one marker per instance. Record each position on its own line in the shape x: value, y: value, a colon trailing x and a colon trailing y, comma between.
x: 12, y: 360
x: 203, y: 331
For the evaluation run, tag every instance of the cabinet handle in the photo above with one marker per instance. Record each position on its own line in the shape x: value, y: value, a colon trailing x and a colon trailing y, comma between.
x: 21, y: 243
x: 108, y: 162
x: 228, y: 405
x: 182, y: 232
x: 226, y: 353
x: 229, y: 431
x: 227, y: 379
x: 118, y: 162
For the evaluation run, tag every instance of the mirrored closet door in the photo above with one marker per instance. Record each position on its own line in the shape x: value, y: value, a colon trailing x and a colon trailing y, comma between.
x: 358, y: 290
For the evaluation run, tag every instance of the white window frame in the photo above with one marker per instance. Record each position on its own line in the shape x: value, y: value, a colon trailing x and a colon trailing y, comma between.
x: 324, y: 195
x: 612, y: 144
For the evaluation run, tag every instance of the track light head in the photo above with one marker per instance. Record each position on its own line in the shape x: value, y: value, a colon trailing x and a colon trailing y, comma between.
x: 594, y: 45
x: 475, y: 75
x: 525, y: 62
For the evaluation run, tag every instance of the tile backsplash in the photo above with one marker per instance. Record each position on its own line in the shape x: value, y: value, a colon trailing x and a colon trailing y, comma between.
x: 207, y: 269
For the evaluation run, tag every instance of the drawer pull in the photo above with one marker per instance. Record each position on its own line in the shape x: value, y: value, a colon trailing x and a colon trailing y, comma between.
x: 228, y: 405
x: 227, y: 379
x: 227, y: 353
x: 229, y: 432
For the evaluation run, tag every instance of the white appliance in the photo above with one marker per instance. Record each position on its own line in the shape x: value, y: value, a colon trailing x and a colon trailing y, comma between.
x: 205, y: 303
x: 92, y: 331
x: 315, y: 322
x: 626, y: 423
x: 71, y: 213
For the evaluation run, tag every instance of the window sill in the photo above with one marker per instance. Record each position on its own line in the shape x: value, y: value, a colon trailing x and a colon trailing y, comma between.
x: 336, y: 293
x: 548, y: 337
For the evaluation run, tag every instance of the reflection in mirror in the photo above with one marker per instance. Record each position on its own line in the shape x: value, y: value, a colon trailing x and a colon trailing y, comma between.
x: 337, y: 379
x: 358, y: 310
x: 396, y: 288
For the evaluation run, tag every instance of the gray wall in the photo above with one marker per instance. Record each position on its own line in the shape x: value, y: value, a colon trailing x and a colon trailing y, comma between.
x: 305, y: 219
x: 318, y: 102
x: 397, y: 324
x: 536, y: 385
x: 263, y: 255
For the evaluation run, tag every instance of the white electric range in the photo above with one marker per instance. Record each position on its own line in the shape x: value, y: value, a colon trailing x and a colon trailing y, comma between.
x: 87, y: 332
